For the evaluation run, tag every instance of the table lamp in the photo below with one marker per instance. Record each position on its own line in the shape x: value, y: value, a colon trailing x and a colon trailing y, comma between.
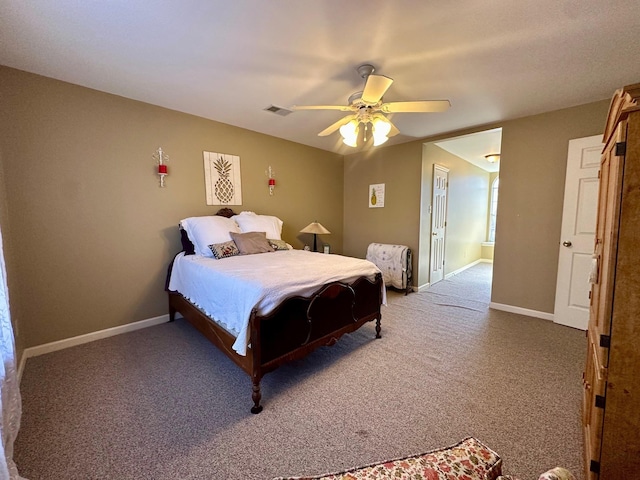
x: 316, y: 229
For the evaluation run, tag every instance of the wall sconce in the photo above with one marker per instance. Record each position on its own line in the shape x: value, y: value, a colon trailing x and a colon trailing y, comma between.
x: 272, y: 181
x: 492, y: 157
x: 161, y: 158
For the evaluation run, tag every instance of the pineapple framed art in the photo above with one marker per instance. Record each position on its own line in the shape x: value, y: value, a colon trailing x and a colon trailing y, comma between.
x: 376, y: 195
x: 222, y: 179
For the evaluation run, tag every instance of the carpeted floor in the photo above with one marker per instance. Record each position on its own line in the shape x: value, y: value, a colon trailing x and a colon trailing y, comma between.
x: 163, y: 403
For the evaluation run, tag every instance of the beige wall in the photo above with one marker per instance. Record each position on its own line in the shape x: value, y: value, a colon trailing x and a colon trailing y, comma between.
x: 6, y: 247
x: 89, y: 233
x: 532, y: 173
x: 407, y: 178
x: 532, y: 170
x: 399, y: 221
x: 486, y: 251
x: 466, y: 211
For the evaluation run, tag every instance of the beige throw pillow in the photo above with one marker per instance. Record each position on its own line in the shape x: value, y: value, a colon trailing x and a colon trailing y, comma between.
x: 251, y: 242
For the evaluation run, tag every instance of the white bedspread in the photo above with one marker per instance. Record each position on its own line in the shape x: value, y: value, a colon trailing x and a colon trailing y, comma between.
x: 228, y: 289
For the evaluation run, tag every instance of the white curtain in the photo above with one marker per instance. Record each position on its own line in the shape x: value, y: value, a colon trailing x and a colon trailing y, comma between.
x: 10, y: 402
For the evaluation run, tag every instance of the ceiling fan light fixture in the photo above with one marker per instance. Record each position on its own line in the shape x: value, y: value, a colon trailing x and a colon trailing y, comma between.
x: 381, y: 129
x: 350, y: 142
x: 349, y: 132
x: 381, y: 126
x: 379, y: 139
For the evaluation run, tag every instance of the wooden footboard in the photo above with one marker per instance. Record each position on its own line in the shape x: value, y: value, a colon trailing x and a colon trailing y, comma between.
x: 295, y: 328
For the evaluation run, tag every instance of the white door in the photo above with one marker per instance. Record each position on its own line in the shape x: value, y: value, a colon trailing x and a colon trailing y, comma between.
x: 438, y: 222
x: 578, y: 232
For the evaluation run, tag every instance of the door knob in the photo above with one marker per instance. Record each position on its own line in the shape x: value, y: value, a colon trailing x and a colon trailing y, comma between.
x: 566, y: 243
x: 434, y: 234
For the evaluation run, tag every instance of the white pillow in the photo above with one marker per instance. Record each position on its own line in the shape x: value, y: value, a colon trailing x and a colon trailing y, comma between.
x: 250, y: 222
x: 205, y: 231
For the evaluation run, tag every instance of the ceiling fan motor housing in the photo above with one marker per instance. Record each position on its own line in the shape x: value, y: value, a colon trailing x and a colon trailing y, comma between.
x: 365, y: 70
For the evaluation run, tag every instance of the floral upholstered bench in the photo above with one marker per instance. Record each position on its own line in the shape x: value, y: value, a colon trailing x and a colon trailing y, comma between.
x: 467, y: 460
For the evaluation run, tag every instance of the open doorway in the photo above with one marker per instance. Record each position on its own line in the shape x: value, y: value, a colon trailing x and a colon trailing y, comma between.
x: 473, y: 164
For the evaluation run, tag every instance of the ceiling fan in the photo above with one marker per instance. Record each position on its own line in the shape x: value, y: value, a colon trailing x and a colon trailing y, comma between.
x: 367, y: 107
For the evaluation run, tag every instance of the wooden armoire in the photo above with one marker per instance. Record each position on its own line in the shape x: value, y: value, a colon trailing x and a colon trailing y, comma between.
x: 611, y: 404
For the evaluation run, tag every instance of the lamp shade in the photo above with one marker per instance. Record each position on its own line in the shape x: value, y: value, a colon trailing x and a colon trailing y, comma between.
x: 316, y: 228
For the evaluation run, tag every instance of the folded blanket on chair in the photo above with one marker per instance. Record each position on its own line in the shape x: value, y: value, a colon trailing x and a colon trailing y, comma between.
x: 392, y: 262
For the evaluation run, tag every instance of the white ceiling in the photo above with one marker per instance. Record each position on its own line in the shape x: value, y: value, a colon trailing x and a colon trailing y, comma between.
x: 475, y: 147
x: 228, y: 60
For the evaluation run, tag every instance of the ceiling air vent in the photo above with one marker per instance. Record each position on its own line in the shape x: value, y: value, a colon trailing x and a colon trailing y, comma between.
x: 278, y: 110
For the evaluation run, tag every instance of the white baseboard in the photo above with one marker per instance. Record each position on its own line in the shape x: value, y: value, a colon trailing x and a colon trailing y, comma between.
x: 462, y: 269
x: 89, y: 337
x: 521, y: 311
x: 23, y: 361
x: 456, y: 272
x: 469, y: 265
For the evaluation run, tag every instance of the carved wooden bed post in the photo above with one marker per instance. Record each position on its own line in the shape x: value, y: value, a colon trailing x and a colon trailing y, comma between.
x: 256, y: 374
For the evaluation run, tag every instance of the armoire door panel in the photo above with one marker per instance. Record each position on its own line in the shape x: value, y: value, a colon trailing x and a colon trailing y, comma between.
x: 611, y: 398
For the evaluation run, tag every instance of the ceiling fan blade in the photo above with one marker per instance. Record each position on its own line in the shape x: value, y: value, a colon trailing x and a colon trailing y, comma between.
x: 344, y: 108
x: 332, y: 128
x: 417, y: 106
x: 375, y: 88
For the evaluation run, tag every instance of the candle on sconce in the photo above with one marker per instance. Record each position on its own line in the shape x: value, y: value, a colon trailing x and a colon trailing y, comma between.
x: 161, y: 159
x: 272, y: 181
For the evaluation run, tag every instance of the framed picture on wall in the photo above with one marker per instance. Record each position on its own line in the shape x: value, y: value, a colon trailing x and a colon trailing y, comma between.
x: 223, y: 184
x: 376, y: 195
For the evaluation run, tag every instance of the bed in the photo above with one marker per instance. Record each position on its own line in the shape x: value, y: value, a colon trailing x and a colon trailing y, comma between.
x: 265, y: 309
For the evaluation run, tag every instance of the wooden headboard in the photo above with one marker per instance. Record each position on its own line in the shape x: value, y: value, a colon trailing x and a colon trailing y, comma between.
x: 225, y: 212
